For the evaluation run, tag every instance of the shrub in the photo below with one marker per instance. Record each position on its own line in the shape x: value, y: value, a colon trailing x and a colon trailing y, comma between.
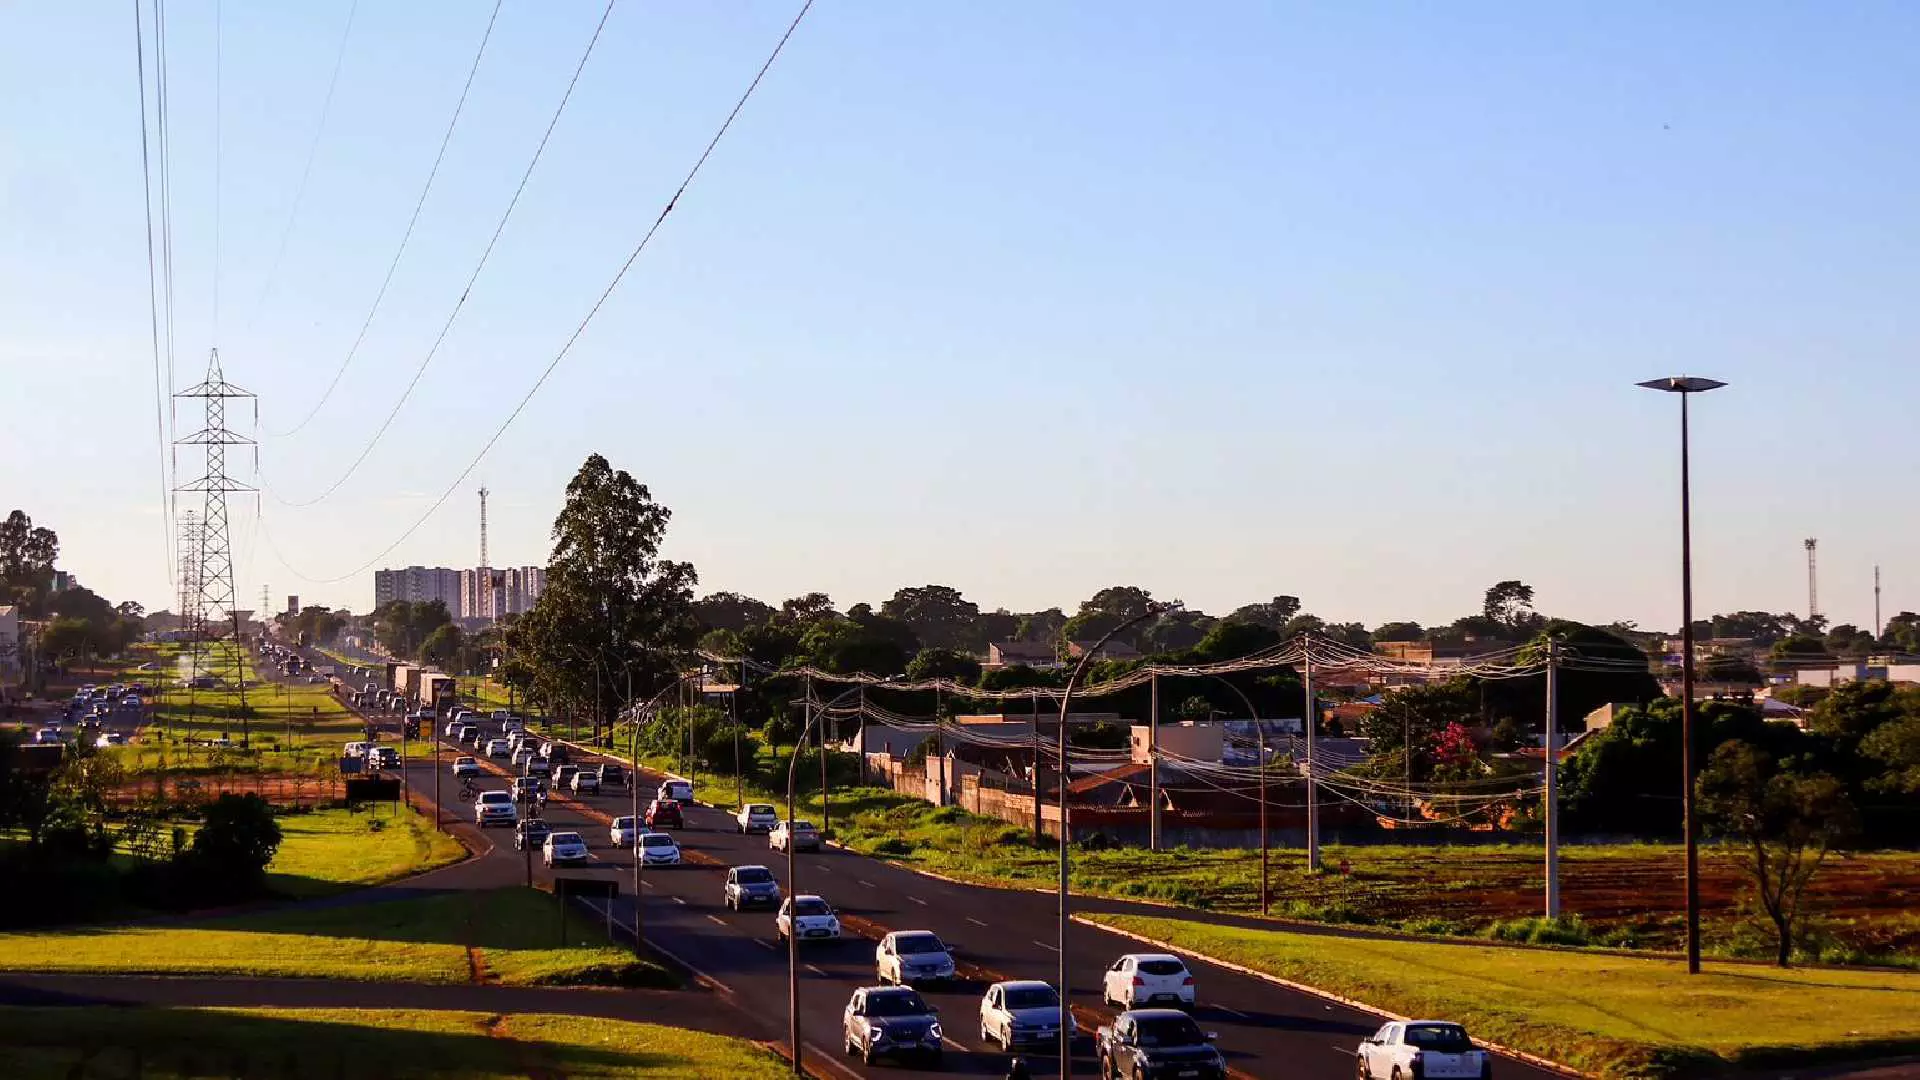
x: 1536, y: 930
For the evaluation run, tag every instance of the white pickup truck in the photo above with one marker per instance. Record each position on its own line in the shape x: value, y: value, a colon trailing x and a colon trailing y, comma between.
x: 1427, y: 1049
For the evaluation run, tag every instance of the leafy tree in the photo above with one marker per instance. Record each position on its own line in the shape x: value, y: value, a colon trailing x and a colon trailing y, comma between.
x: 1731, y: 669
x: 1106, y: 609
x: 1852, y: 711
x: 1849, y: 640
x: 1194, y: 708
x: 1041, y: 625
x: 1783, y: 822
x: 401, y: 626
x: 445, y: 648
x: 1761, y: 627
x: 730, y: 611
x: 1399, y: 631
x: 1173, y: 630
x: 944, y: 664
x: 1420, y: 714
x: 237, y: 839
x: 1231, y: 639
x: 846, y: 647
x: 615, y: 622
x: 1798, y: 649
x: 1903, y: 632
x: 812, y: 607
x: 1020, y: 677
x: 27, y: 555
x: 1896, y: 745
x: 1272, y: 614
x: 941, y: 617
x: 67, y: 639
x: 882, y: 626
x: 1510, y: 604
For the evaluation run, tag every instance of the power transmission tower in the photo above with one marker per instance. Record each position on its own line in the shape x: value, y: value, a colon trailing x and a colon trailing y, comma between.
x: 1813, y: 583
x: 189, y: 576
x: 217, y: 599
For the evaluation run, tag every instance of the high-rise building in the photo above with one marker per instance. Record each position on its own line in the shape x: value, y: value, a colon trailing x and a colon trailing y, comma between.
x: 418, y: 584
x: 487, y: 594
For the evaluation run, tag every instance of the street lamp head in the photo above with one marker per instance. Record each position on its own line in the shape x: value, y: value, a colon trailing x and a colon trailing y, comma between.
x: 1683, y: 384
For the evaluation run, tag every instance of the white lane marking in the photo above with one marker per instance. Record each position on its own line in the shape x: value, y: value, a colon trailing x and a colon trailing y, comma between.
x: 664, y: 951
x: 815, y: 970
x: 975, y: 921
x: 823, y: 869
x: 917, y: 900
x: 767, y: 945
x: 1044, y: 945
x: 865, y: 882
x: 716, y: 920
x: 1235, y: 1013
x: 677, y: 900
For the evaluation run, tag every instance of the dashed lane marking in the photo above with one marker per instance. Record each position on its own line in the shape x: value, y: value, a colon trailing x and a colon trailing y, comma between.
x: 716, y: 920
x: 1044, y: 945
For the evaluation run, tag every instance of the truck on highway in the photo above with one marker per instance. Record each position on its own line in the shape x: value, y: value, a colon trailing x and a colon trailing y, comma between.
x: 436, y: 691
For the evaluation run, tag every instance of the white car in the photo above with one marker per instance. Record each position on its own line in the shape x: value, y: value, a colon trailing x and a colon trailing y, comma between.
x: 1137, y: 980
x: 494, y: 808
x: 563, y: 847
x: 466, y: 766
x: 536, y: 766
x: 452, y: 729
x: 354, y: 749
x: 806, y: 917
x: 912, y: 957
x: 1022, y: 1013
x: 802, y: 836
x: 677, y: 789
x: 659, y: 849
x: 625, y: 832
x: 1434, y: 1049
x: 586, y: 782
x: 498, y: 748
x: 756, y: 817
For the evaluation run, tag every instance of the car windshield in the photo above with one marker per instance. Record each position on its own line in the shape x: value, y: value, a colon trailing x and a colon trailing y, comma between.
x: 1031, y: 997
x: 463, y: 761
x: 1167, y: 1031
x: 803, y: 826
x: 657, y: 840
x: 623, y: 823
x: 495, y: 797
x: 896, y: 1003
x: 1162, y: 967
x: 1446, y: 1038
x: 753, y: 875
x: 566, y: 838
x: 914, y: 944
x: 811, y: 906
x: 760, y: 810
x: 534, y: 825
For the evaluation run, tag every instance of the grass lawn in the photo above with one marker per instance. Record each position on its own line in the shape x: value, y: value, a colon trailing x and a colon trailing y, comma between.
x: 507, y: 936
x: 293, y: 1044
x: 331, y: 850
x: 1613, y: 1015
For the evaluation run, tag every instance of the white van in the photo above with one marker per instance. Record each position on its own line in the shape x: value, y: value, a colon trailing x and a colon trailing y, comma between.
x: 677, y: 790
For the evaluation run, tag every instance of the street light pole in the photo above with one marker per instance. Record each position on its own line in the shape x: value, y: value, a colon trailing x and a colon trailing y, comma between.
x: 1686, y: 386
x: 1066, y: 705
x: 1553, y: 779
x: 1311, y: 721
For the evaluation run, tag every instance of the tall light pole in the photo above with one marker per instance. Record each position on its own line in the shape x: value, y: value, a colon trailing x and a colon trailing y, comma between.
x: 1686, y: 386
x: 1066, y: 704
x: 793, y: 867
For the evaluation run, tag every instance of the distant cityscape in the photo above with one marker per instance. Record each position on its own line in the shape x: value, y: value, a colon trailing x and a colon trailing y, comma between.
x: 482, y: 594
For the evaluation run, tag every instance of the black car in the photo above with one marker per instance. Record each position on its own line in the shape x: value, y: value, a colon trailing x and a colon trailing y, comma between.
x: 530, y: 833
x: 1148, y: 1043
x: 891, y: 1021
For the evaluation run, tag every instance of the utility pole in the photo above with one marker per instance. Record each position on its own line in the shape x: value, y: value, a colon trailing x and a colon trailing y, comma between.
x: 1039, y: 826
x: 1153, y: 763
x: 1876, y: 603
x: 1313, y: 784
x: 1553, y: 779
x: 483, y: 529
x: 215, y: 572
x: 1813, y: 581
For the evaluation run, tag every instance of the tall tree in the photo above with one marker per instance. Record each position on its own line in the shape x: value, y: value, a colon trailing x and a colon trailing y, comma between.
x: 615, y: 622
x: 1902, y: 632
x: 1106, y: 609
x: 1509, y: 603
x: 1398, y: 631
x: 27, y: 552
x: 811, y: 607
x: 938, y: 614
x: 936, y: 663
x: 1783, y: 824
x: 1273, y: 614
x: 730, y: 611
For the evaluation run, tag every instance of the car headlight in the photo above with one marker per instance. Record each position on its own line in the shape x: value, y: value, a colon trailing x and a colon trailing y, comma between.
x: 933, y: 1031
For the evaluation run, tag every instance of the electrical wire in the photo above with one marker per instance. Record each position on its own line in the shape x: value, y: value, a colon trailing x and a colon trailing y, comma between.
x: 219, y: 156
x: 160, y: 390
x: 412, y: 220
x: 467, y: 289
x: 306, y: 172
x: 605, y: 294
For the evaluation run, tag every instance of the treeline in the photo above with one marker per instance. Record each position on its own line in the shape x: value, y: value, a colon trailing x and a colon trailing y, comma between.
x: 81, y: 624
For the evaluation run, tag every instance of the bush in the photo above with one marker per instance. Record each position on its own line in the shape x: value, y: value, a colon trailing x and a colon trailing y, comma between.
x: 893, y: 845
x: 1566, y: 930
x: 236, y: 841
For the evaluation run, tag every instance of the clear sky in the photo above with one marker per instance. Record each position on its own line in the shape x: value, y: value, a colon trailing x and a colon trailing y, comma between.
x: 1224, y: 300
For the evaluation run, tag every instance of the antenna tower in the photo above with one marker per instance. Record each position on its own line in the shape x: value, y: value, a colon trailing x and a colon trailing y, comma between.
x: 1876, y: 603
x: 1813, y: 582
x: 215, y: 596
x: 483, y: 524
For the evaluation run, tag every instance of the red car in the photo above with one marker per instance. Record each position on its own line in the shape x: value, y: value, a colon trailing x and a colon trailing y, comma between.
x: 664, y: 815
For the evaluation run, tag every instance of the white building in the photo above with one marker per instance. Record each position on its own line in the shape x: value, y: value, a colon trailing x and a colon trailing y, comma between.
x: 487, y: 594
x: 10, y: 669
x: 417, y: 585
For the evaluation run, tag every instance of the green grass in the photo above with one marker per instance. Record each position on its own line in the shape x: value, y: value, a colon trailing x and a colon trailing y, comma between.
x: 331, y: 850
x: 1613, y: 1015
x: 506, y: 936
x: 321, y: 1044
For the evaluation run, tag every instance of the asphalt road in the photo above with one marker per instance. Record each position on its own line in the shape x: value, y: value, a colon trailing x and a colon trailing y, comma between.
x: 1264, y: 1030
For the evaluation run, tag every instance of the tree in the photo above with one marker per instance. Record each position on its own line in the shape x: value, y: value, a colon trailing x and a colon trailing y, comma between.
x: 1731, y: 669
x: 944, y: 664
x: 1902, y: 632
x: 402, y: 626
x: 1194, y: 708
x: 1272, y: 614
x: 1399, y: 631
x: 1784, y: 822
x: 730, y: 611
x: 938, y: 614
x: 1849, y: 640
x: 1040, y: 625
x: 1798, y: 649
x: 27, y: 553
x: 66, y: 639
x: 812, y: 607
x: 1231, y: 639
x: 1510, y: 603
x: 1106, y: 609
x: 846, y: 647
x: 615, y: 622
x: 445, y: 648
x: 1420, y: 714
x: 237, y: 839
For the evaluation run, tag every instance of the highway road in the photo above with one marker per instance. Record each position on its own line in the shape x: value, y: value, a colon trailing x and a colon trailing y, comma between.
x: 1264, y: 1030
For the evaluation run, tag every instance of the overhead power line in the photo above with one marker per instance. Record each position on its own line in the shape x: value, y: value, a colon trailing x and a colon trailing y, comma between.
x: 567, y: 347
x: 412, y: 220
x: 306, y: 172
x: 467, y: 289
x: 161, y: 391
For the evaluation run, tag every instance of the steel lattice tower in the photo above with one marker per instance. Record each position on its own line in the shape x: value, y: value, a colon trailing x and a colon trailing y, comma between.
x: 216, y: 597
x: 189, y: 576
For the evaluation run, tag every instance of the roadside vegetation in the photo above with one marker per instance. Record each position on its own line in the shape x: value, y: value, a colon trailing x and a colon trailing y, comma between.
x: 508, y: 937
x: 1616, y: 1016
x: 332, y: 851
x: 297, y: 1044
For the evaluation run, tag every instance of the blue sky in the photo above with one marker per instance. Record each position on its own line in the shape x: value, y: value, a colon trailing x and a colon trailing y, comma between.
x: 1223, y: 300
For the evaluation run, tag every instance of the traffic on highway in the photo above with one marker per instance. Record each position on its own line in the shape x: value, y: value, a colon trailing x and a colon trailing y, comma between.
x: 900, y: 973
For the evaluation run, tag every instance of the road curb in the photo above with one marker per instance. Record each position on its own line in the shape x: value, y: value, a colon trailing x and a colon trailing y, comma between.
x: 1352, y: 1003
